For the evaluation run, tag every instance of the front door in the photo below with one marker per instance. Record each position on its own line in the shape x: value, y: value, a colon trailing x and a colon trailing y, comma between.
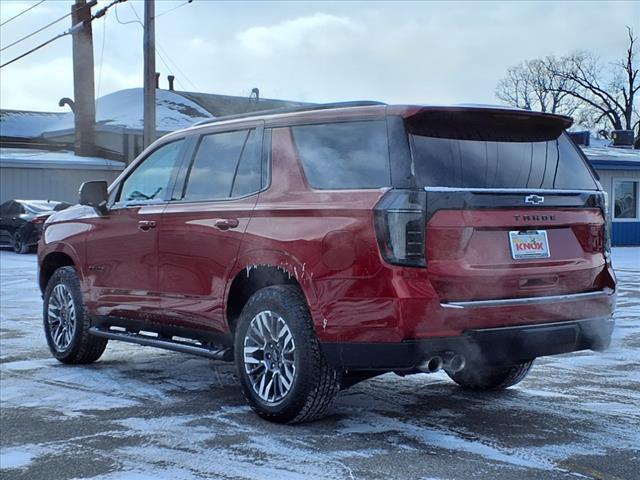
x: 122, y: 246
x: 202, y: 228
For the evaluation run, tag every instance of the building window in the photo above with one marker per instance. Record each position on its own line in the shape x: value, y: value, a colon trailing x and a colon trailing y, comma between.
x: 625, y: 199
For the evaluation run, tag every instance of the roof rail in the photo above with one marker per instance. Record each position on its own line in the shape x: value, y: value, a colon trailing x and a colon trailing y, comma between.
x: 301, y: 108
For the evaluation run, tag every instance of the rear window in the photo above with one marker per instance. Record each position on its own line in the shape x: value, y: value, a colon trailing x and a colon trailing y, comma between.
x: 476, y: 150
x: 344, y: 155
x: 553, y: 164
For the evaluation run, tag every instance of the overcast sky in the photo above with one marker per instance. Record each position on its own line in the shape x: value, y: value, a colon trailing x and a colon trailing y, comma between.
x: 425, y: 52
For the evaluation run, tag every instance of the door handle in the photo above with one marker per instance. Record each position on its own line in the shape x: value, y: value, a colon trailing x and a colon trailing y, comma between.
x: 226, y: 223
x: 146, y: 225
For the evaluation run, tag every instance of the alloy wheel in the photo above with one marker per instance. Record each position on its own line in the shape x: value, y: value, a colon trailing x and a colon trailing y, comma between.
x: 61, y: 315
x: 269, y: 356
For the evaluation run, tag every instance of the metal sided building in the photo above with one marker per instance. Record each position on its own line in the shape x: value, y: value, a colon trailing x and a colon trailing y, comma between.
x: 46, y: 175
x: 619, y: 170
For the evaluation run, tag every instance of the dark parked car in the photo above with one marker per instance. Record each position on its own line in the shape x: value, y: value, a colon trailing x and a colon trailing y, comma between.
x: 322, y: 247
x: 21, y: 222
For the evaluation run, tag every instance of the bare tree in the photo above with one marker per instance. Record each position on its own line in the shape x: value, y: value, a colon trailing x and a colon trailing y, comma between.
x: 580, y: 85
x: 606, y: 93
x: 533, y: 86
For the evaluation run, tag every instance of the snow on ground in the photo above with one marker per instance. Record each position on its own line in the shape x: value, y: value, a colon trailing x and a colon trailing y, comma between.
x: 146, y: 414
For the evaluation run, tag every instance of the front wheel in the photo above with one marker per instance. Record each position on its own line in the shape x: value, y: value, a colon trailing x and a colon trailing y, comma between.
x: 66, y: 321
x: 283, y: 373
x: 19, y: 245
x: 481, y: 377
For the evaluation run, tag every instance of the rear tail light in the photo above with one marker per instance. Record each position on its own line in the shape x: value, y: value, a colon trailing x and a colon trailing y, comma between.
x: 400, y: 227
x: 603, y: 204
x: 591, y: 237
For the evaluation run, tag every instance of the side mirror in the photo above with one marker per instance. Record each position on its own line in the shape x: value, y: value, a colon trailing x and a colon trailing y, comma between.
x: 94, y: 194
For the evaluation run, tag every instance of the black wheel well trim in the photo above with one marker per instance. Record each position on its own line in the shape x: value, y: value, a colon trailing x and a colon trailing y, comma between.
x: 249, y: 280
x: 50, y: 263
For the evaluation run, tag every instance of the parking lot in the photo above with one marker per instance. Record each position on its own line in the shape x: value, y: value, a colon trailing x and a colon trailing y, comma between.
x: 141, y: 413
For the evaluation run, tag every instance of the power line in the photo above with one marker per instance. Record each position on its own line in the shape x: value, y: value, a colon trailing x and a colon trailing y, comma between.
x: 73, y: 29
x: 125, y: 23
x: 36, y: 48
x: 90, y: 4
x: 33, y: 33
x: 177, y: 68
x: 174, y: 8
x: 21, y: 13
x: 160, y: 50
x: 104, y: 37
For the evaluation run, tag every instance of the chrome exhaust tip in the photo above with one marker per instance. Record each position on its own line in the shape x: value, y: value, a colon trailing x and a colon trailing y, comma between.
x: 455, y: 363
x: 431, y: 365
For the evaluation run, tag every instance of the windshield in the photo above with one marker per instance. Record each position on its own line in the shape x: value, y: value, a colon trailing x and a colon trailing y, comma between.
x: 450, y: 162
x: 40, y: 207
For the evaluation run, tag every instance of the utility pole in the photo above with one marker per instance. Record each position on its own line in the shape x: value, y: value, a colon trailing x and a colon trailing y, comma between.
x: 83, y: 83
x: 149, y: 56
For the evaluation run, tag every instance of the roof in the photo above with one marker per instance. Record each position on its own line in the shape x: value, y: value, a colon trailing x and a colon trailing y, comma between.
x: 25, y: 123
x: 36, y: 158
x: 612, y: 158
x: 122, y: 111
x: 367, y: 109
x: 222, y: 105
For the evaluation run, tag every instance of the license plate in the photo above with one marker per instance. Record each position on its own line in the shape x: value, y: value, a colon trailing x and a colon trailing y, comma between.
x: 529, y: 244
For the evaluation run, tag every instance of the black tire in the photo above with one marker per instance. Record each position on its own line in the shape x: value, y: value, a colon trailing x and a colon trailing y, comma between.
x: 19, y: 246
x: 314, y: 384
x: 480, y: 377
x: 82, y: 347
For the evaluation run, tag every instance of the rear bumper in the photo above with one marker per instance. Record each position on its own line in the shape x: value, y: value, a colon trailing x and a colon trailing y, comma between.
x: 491, y: 345
x: 514, y: 302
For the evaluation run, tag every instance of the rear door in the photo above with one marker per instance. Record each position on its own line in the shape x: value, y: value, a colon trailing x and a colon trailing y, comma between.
x: 513, y: 208
x: 202, y: 227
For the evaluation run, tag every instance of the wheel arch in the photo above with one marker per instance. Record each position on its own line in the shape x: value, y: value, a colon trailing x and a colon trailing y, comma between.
x: 51, y: 262
x: 263, y: 269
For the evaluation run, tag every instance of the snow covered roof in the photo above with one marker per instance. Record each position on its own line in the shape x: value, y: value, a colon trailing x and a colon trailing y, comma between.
x: 35, y: 158
x: 612, y: 158
x: 123, y: 110
x: 26, y: 124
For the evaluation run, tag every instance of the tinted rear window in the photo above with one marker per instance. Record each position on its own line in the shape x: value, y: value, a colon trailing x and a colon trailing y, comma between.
x: 446, y: 162
x: 344, y: 155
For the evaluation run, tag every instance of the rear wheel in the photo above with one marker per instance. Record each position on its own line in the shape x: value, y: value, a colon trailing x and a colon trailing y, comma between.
x: 481, y: 377
x: 66, y: 321
x: 19, y: 245
x: 283, y: 373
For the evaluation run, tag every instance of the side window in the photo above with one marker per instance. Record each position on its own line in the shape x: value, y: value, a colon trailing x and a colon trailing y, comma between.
x: 626, y: 199
x: 151, y: 179
x: 225, y: 165
x: 249, y: 172
x: 4, y: 208
x: 344, y: 155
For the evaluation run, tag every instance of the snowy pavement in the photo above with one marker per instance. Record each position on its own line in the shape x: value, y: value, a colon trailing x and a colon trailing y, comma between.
x: 146, y: 414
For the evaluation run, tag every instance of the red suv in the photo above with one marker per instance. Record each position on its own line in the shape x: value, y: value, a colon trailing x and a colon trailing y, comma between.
x: 316, y: 248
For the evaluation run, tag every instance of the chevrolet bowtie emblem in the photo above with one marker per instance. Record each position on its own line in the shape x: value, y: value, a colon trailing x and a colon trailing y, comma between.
x: 534, y: 199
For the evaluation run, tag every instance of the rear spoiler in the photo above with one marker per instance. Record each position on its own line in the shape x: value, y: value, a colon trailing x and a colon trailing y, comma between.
x: 486, y: 123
